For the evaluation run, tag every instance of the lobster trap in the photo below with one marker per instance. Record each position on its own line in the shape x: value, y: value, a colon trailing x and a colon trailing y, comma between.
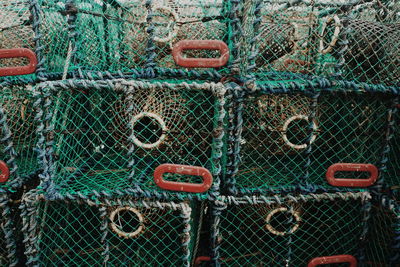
x: 363, y: 42
x: 132, y: 136
x: 120, y: 38
x: 288, y: 231
x: 354, y: 40
x: 16, y: 40
x: 190, y: 34
x: 80, y: 36
x: 327, y: 139
x: 116, y: 232
x: 18, y: 160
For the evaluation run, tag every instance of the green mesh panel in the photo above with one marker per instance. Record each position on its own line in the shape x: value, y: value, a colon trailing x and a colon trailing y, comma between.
x: 111, y: 35
x: 351, y: 129
x: 15, y: 30
x: 254, y: 232
x: 266, y: 159
x: 382, y: 229
x: 116, y: 232
x: 347, y: 128
x: 18, y: 138
x: 188, y: 20
x: 300, y: 38
x: 53, y: 28
x: 93, y: 130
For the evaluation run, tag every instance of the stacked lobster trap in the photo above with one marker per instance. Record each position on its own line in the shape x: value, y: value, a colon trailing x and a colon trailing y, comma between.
x: 103, y: 39
x: 222, y: 132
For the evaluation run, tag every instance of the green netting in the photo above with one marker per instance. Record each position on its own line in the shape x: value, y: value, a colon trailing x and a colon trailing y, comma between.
x: 112, y: 136
x: 53, y: 30
x: 281, y: 147
x: 289, y: 232
x: 188, y: 20
x: 383, y: 229
x: 357, y: 39
x: 18, y: 138
x: 121, y: 35
x: 111, y: 35
x: 113, y: 232
x: 16, y: 30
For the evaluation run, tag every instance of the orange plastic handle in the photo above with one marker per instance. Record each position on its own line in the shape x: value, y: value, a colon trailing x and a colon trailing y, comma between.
x: 352, y: 167
x: 17, y: 53
x: 333, y: 259
x: 185, y: 170
x: 180, y: 46
x: 5, y: 172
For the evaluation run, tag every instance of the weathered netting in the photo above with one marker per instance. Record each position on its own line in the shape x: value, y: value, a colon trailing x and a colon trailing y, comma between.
x: 116, y: 37
x: 15, y: 30
x: 382, y: 240
x: 51, y: 30
x: 289, y: 231
x: 91, y: 35
x: 371, y: 54
x: 283, y: 140
x: 110, y: 136
x: 18, y: 138
x: 115, y: 232
x: 174, y: 21
x: 354, y: 40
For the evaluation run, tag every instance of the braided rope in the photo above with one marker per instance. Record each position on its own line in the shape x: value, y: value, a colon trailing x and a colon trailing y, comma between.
x: 8, y: 229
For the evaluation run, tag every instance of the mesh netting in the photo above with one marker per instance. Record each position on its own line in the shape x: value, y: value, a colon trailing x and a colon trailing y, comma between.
x: 112, y: 137
x: 174, y: 21
x: 53, y: 30
x: 18, y: 132
x: 115, y: 232
x: 119, y: 36
x: 291, y: 139
x: 382, y: 239
x: 289, y: 232
x: 355, y: 39
x: 15, y: 30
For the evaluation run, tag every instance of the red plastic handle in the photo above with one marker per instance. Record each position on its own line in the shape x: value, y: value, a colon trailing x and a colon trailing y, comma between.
x: 200, y: 45
x: 351, y: 167
x: 5, y: 172
x: 185, y: 170
x: 19, y: 70
x: 201, y: 259
x: 333, y: 259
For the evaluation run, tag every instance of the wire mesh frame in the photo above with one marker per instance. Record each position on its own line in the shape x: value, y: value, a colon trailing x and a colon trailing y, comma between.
x: 288, y: 230
x: 16, y: 31
x: 299, y: 40
x: 93, y: 137
x: 115, y: 231
x: 289, y: 160
x: 18, y: 137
